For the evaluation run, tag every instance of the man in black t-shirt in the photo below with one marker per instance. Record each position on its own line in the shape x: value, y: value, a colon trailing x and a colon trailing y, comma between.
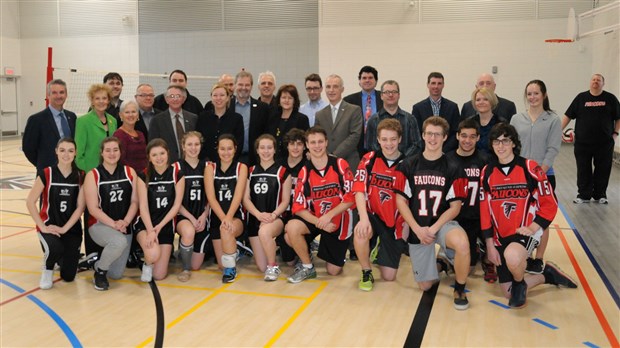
x: 597, y: 122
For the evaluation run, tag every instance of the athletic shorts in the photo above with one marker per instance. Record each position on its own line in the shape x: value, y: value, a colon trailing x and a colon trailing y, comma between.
x: 390, y: 249
x: 201, y: 241
x: 423, y: 258
x: 214, y: 225
x: 331, y: 249
x: 474, y: 232
x: 165, y: 236
x: 529, y: 243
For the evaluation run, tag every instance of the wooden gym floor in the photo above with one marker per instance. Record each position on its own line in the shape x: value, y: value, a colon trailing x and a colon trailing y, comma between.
x: 328, y: 311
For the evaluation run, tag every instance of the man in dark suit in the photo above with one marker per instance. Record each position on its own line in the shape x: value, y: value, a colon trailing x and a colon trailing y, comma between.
x: 267, y: 88
x: 173, y: 123
x: 255, y: 115
x: 191, y: 104
x: 505, y: 108
x: 114, y: 80
x: 368, y: 99
x: 145, y: 97
x: 45, y: 128
x: 437, y: 105
x: 342, y: 122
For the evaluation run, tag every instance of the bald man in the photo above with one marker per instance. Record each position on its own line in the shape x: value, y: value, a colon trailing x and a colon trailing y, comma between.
x: 505, y: 108
x: 228, y: 81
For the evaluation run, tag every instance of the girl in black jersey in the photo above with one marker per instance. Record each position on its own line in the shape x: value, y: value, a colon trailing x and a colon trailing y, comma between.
x: 266, y: 198
x: 192, y: 218
x: 225, y: 181
x: 160, y: 191
x: 58, y: 220
x: 296, y: 146
x: 112, y: 201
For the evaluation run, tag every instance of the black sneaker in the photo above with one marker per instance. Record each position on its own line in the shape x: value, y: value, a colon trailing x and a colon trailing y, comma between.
x: 518, y: 294
x: 88, y: 262
x: 534, y: 266
x: 444, y: 264
x: 352, y: 255
x: 101, y: 280
x: 229, y: 275
x: 554, y: 275
x: 460, y: 300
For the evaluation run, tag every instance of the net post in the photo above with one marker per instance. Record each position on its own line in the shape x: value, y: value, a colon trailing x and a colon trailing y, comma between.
x: 50, y: 73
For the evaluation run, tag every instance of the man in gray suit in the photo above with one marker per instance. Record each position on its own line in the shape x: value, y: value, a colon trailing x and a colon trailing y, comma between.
x: 173, y: 123
x: 342, y: 121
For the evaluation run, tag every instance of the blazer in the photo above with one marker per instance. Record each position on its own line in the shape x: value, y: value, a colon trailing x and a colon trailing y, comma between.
x: 162, y: 127
x: 41, y: 136
x: 89, y: 133
x: 449, y: 110
x: 504, y: 109
x: 296, y: 120
x: 259, y: 117
x: 356, y: 99
x: 141, y: 126
x: 343, y: 135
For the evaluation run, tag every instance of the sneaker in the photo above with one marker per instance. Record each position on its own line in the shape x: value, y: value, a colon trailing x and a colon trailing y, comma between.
x: 444, y: 264
x: 534, y: 266
x: 375, y: 251
x: 460, y: 301
x: 229, y: 275
x: 366, y: 281
x: 518, y: 294
x: 184, y: 276
x: 554, y: 275
x: 490, y: 274
x: 47, y: 280
x: 580, y: 201
x: 147, y: 273
x: 302, y: 274
x: 352, y: 255
x: 101, y: 280
x: 272, y: 273
x: 244, y: 250
x: 314, y: 246
x: 88, y: 262
x: 603, y: 201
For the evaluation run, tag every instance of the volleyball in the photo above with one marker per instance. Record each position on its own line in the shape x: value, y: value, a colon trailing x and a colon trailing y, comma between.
x: 568, y: 136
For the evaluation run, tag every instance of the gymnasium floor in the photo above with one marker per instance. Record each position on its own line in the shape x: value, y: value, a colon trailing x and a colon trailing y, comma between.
x: 328, y: 311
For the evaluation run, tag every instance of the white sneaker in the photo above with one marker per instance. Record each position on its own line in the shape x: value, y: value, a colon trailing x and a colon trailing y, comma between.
x: 580, y: 201
x: 147, y: 273
x: 603, y: 201
x: 272, y: 273
x: 47, y: 280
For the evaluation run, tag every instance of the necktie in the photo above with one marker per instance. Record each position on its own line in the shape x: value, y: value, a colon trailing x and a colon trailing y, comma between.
x: 64, y: 124
x: 334, y: 113
x: 368, y: 110
x: 180, y: 133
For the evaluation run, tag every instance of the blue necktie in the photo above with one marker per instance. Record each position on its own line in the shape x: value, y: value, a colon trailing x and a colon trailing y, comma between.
x: 64, y: 124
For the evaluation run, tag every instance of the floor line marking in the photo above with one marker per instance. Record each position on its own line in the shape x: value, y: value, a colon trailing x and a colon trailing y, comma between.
x: 301, y: 309
x: 590, y: 344
x: 590, y: 295
x: 18, y: 233
x: 75, y: 342
x: 497, y: 303
x: 188, y: 312
x: 544, y: 323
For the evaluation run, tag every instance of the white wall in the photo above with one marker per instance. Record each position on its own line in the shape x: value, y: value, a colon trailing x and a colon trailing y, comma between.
x: 461, y: 51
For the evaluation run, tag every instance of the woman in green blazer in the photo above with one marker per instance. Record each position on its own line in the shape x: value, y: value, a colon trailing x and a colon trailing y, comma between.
x: 92, y: 128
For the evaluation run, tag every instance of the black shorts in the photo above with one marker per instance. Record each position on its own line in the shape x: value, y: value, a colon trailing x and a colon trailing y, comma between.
x: 390, y: 249
x: 331, y: 249
x: 201, y: 241
x: 165, y: 236
x: 473, y: 230
x: 214, y: 225
x: 529, y: 243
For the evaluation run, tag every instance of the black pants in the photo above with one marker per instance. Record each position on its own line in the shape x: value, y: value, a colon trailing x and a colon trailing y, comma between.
x: 593, y: 184
x: 65, y: 248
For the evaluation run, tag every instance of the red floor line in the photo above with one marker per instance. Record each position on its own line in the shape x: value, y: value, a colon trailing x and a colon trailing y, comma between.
x: 613, y: 340
x: 18, y: 233
x: 24, y: 294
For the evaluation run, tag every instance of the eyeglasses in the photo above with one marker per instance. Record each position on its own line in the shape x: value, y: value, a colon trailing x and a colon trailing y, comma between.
x: 312, y: 89
x: 145, y: 95
x: 390, y: 92
x: 505, y: 142
x: 433, y: 135
x: 175, y: 96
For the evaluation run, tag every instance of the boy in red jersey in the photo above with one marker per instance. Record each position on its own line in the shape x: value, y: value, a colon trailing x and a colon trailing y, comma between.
x: 517, y: 204
x: 431, y: 190
x: 322, y: 205
x: 376, y: 205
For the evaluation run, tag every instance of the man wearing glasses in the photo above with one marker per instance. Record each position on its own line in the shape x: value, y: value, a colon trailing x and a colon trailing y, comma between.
x: 411, y: 142
x: 314, y: 88
x: 172, y: 124
x: 431, y: 190
x: 145, y: 97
